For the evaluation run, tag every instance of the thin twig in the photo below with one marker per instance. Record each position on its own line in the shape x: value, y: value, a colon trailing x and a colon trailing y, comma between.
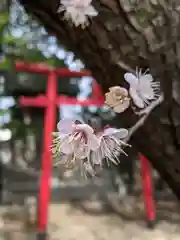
x: 145, y: 112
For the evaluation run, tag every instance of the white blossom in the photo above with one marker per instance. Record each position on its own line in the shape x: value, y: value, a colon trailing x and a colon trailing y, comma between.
x: 78, y: 11
x: 76, y: 145
x: 111, y: 144
x: 142, y: 88
x: 117, y: 98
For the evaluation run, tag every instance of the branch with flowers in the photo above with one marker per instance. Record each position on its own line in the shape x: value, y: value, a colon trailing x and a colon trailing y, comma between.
x: 77, y: 144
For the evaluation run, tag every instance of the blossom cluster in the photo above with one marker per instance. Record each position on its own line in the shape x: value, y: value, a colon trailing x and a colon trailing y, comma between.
x: 77, y: 144
x: 142, y: 91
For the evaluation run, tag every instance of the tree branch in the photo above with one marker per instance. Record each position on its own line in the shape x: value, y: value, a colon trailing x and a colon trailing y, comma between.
x: 145, y: 112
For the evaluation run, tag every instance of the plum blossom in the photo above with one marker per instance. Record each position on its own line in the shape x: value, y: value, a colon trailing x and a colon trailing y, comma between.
x: 75, y: 144
x: 117, y: 98
x: 111, y: 145
x: 74, y: 139
x: 78, y: 11
x: 65, y: 160
x: 142, y: 88
x: 78, y: 144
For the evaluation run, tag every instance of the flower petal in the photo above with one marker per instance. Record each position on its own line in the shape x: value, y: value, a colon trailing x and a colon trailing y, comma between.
x: 109, y: 100
x: 136, y: 98
x: 67, y: 144
x: 85, y: 128
x: 78, y: 11
x: 85, y: 3
x: 121, y: 107
x: 118, y: 90
x: 81, y: 151
x: 120, y: 133
x: 79, y: 19
x: 65, y: 126
x: 93, y: 142
x: 97, y: 156
x: 145, y: 86
x: 131, y: 79
x: 109, y: 131
x: 91, y: 11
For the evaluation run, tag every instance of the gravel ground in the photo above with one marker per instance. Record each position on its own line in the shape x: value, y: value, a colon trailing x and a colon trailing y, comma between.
x: 90, y: 221
x: 93, y: 212
x: 71, y: 223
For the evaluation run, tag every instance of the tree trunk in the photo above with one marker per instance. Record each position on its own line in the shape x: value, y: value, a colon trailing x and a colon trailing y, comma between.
x: 124, y: 35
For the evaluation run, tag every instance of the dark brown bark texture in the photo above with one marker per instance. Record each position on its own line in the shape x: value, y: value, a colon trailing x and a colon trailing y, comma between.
x: 126, y: 34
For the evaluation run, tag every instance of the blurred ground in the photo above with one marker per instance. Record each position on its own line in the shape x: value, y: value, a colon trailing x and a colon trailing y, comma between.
x: 92, y: 211
x: 73, y: 223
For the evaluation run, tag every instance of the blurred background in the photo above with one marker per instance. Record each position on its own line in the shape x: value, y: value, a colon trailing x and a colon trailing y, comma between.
x: 114, y: 198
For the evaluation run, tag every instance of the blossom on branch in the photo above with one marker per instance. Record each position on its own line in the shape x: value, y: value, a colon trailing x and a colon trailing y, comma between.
x: 111, y: 145
x: 117, y: 99
x: 76, y: 138
x: 76, y: 144
x: 142, y: 88
x: 78, y: 11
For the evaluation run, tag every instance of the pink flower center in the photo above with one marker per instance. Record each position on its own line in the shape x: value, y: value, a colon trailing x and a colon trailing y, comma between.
x: 106, y: 127
x: 80, y: 135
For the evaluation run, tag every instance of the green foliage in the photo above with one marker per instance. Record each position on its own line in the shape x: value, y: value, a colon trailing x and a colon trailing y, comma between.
x: 22, y: 38
x: 25, y: 40
x: 4, y: 19
x: 2, y: 112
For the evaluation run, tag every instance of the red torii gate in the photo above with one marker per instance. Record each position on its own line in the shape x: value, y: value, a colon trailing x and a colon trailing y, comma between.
x: 50, y: 101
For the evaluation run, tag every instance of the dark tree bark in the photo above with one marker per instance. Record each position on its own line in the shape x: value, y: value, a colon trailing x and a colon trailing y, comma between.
x: 124, y: 35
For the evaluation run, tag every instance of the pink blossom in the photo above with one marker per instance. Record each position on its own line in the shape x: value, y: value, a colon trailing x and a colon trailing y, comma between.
x: 76, y: 145
x: 76, y: 138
